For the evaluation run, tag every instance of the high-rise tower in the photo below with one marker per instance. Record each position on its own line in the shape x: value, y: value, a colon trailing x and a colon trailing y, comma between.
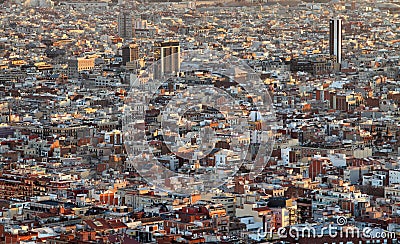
x: 125, y: 25
x: 335, y: 39
x: 130, y: 53
x: 169, y: 54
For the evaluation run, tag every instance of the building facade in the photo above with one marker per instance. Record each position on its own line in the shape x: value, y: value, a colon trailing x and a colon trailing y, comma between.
x: 125, y: 25
x: 335, y: 39
x: 169, y: 54
x: 130, y: 53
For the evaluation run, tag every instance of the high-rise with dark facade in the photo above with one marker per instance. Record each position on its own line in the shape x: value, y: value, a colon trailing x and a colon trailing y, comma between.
x: 335, y: 39
x: 125, y: 25
x: 130, y: 53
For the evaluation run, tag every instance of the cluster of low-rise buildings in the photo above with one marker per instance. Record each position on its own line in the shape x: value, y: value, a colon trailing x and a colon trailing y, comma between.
x: 66, y: 73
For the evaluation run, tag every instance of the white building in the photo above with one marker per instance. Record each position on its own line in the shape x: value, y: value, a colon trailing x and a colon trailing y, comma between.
x: 394, y: 176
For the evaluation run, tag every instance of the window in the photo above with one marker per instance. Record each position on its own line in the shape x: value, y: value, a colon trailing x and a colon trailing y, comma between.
x: 97, y: 223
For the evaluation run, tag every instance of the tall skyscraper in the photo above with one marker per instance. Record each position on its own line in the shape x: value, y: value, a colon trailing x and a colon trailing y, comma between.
x: 130, y: 53
x: 125, y: 25
x: 335, y: 39
x: 169, y: 53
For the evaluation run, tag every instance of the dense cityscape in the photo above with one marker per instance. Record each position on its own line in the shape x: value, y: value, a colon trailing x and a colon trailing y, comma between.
x: 227, y: 121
